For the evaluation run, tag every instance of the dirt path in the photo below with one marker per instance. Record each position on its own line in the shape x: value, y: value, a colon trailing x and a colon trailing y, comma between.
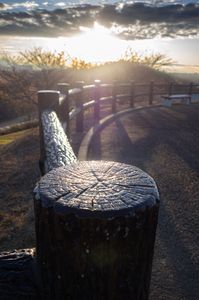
x: 165, y: 143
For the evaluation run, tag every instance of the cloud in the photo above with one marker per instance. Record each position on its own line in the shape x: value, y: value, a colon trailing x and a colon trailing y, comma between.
x: 129, y: 21
x: 28, y: 5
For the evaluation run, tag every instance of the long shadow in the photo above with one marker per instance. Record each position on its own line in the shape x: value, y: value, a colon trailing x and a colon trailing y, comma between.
x: 134, y: 152
x: 163, y: 130
x: 126, y: 151
x: 95, y: 147
x: 186, y: 273
x: 173, y: 135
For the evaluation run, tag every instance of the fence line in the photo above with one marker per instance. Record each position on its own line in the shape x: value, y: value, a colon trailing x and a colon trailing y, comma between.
x: 93, y: 219
x: 75, y: 101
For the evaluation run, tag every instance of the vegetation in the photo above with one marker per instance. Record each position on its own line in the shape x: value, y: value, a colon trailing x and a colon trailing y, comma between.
x: 156, y: 61
x: 41, y: 59
x: 21, y: 76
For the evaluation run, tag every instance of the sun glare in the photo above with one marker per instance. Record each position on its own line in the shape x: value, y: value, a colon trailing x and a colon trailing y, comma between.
x: 96, y: 44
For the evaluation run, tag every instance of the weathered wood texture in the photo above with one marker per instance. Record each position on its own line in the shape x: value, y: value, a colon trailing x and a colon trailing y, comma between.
x: 95, y: 228
x: 97, y: 101
x: 132, y: 93
x: 58, y: 151
x: 47, y: 99
x: 151, y: 92
x: 63, y: 111
x: 114, y: 97
x: 19, y: 279
x: 79, y: 106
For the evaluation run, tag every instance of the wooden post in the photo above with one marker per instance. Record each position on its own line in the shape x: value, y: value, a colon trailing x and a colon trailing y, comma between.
x: 95, y: 229
x: 151, y: 89
x: 97, y: 102
x: 170, y: 90
x: 114, y: 97
x: 46, y: 100
x: 190, y: 90
x: 132, y: 93
x: 79, y: 104
x: 64, y: 107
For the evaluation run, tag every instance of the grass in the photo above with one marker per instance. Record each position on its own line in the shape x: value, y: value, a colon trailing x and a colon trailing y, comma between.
x: 9, y: 138
x: 19, y: 173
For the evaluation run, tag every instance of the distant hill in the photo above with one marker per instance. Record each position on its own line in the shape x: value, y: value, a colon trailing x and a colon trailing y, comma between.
x: 192, y: 77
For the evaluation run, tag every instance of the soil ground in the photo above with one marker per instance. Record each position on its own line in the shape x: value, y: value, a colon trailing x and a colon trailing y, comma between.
x: 165, y: 143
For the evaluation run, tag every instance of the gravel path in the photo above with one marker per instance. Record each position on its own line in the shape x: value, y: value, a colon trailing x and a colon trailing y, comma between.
x: 165, y: 143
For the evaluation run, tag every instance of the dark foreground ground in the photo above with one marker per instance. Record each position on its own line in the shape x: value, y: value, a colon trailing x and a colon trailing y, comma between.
x: 165, y: 143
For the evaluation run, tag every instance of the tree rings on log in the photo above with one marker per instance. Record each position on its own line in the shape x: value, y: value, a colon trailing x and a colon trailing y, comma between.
x: 95, y: 228
x: 97, y: 189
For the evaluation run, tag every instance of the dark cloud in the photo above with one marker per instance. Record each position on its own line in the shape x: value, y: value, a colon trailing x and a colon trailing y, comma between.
x: 46, y: 23
x: 138, y: 20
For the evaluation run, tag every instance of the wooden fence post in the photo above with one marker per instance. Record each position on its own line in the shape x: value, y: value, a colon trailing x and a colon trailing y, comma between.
x: 64, y: 107
x: 151, y: 89
x: 96, y: 224
x: 47, y: 99
x: 190, y: 90
x: 114, y: 97
x: 97, y: 101
x: 132, y: 93
x: 79, y: 104
x: 170, y: 89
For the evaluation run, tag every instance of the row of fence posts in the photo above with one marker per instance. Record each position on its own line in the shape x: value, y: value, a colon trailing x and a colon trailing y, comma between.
x: 63, y: 109
x: 95, y: 220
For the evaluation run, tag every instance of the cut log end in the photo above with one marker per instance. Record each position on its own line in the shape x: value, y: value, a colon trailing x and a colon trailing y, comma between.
x: 97, y: 189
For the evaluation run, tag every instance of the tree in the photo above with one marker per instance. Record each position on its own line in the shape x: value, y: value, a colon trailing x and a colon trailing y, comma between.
x: 155, y: 61
x: 50, y: 64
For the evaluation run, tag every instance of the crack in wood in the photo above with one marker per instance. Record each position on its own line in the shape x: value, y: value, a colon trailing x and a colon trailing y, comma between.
x: 133, y: 185
x: 99, y: 186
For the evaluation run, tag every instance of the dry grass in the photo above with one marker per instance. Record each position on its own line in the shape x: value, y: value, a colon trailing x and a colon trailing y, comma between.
x: 19, y: 173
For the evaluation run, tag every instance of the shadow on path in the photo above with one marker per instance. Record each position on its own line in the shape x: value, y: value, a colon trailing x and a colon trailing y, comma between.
x: 165, y: 143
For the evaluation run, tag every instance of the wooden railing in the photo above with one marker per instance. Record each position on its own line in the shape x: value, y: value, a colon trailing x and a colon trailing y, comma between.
x: 73, y: 102
x: 95, y: 221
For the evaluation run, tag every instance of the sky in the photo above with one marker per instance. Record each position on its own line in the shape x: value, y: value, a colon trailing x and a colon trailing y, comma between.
x: 170, y: 27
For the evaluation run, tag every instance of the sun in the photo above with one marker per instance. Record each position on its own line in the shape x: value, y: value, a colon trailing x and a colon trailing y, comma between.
x: 96, y: 44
